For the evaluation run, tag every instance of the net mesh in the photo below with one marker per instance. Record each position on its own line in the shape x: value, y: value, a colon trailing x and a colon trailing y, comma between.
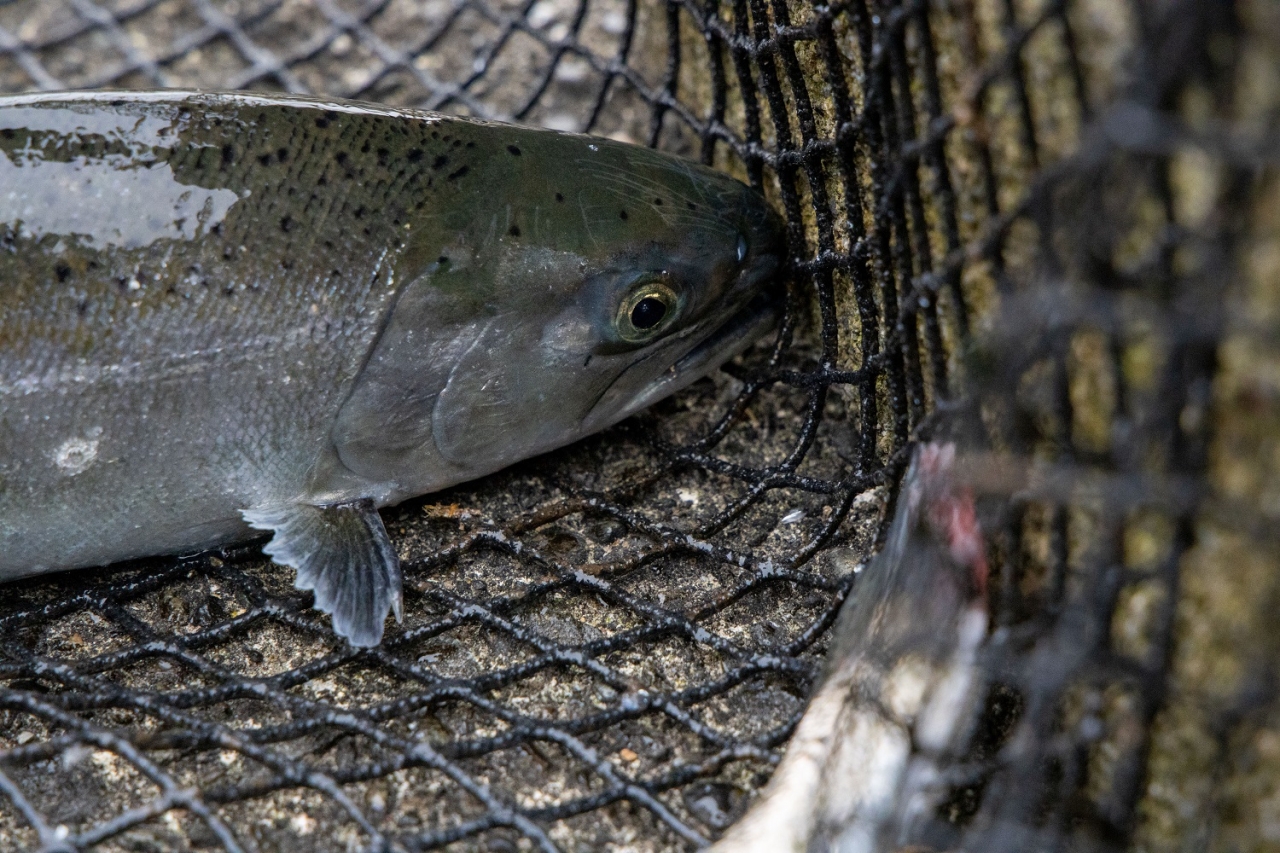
x: 1044, y: 226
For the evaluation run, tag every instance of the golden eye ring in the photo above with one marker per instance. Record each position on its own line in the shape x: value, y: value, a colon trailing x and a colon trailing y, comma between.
x: 647, y: 311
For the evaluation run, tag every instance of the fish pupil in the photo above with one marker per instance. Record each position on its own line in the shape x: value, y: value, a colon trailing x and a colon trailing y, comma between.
x: 648, y: 313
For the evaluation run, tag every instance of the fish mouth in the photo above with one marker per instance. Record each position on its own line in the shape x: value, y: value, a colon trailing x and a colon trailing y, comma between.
x: 731, y: 337
x: 741, y: 329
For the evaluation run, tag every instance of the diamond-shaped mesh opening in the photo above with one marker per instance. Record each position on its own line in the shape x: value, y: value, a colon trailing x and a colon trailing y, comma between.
x: 1046, y: 227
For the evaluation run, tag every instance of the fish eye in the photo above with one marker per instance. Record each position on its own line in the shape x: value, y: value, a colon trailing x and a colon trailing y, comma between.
x: 742, y: 248
x: 646, y: 310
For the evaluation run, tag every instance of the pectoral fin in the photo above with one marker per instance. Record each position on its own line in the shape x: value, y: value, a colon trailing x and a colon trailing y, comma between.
x: 342, y: 553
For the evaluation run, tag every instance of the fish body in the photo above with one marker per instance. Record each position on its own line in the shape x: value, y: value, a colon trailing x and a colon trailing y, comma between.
x: 228, y: 312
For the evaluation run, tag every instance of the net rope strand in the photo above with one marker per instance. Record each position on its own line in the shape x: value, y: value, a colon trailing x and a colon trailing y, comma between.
x: 902, y: 180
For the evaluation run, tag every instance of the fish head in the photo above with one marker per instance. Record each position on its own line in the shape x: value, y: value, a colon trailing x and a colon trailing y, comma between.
x: 652, y: 272
x: 582, y: 281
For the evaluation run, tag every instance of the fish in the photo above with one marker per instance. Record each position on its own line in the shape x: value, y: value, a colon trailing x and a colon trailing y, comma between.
x: 867, y: 767
x: 223, y: 314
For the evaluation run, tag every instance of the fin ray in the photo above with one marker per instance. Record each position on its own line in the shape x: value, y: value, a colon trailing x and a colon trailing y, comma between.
x: 343, y: 554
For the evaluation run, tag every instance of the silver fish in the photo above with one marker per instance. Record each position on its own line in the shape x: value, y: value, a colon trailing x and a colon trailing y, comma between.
x: 222, y: 313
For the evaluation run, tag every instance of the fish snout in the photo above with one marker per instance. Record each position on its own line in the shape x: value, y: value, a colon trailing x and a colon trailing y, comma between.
x: 765, y: 235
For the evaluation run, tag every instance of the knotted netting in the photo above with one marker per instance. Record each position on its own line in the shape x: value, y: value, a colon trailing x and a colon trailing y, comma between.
x: 1047, y: 227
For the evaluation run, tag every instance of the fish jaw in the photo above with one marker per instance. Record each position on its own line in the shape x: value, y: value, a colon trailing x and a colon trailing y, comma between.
x: 720, y: 343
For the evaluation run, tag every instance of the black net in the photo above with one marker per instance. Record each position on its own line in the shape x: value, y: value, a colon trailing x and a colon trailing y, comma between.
x: 1044, y: 226
x: 1118, y: 415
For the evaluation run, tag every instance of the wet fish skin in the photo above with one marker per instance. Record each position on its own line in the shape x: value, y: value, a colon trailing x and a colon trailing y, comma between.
x: 225, y: 310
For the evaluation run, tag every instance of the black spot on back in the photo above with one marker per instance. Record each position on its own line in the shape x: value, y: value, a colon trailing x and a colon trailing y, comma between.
x: 559, y: 197
x: 622, y: 215
x: 415, y: 155
x: 265, y: 159
x: 286, y: 224
x: 691, y: 205
x: 282, y: 154
x: 515, y: 152
x: 383, y: 157
x: 453, y: 176
x: 322, y: 122
x: 62, y: 271
x: 514, y: 230
x: 228, y: 154
x: 440, y: 161
x: 658, y: 202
